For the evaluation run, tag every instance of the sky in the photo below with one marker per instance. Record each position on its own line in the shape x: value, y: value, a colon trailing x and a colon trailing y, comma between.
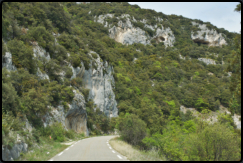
x: 219, y: 14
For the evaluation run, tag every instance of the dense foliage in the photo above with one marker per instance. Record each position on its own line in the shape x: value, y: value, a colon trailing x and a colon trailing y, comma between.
x: 151, y: 89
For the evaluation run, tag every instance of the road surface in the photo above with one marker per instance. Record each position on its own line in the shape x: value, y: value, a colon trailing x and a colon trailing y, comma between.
x: 90, y: 149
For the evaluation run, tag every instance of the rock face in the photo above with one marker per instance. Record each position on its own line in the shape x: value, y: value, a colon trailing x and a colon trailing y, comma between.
x: 42, y: 55
x: 206, y: 36
x: 14, y: 153
x: 76, y: 117
x: 100, y: 85
x: 7, y: 62
x: 207, y: 61
x: 126, y: 33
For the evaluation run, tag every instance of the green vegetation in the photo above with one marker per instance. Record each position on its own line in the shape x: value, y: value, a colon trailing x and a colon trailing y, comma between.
x: 155, y: 117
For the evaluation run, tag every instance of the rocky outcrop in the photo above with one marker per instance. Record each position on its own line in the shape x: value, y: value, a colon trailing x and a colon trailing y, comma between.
x: 126, y: 33
x: 7, y: 62
x: 207, y: 61
x: 206, y: 36
x: 14, y: 153
x: 100, y: 81
x: 76, y: 117
x: 213, y: 116
x: 78, y: 71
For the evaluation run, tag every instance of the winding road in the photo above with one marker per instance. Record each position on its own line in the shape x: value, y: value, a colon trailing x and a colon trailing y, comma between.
x: 90, y: 149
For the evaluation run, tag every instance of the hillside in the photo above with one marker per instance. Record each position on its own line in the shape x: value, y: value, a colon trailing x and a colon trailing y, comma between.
x: 89, y: 66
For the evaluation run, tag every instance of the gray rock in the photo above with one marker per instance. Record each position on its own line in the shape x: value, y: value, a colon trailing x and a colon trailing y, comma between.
x: 126, y: 34
x: 76, y: 117
x: 42, y: 75
x: 207, y: 61
x: 14, y: 153
x: 100, y: 85
x: 6, y: 155
x: 210, y: 37
x: 40, y: 52
x: 7, y: 62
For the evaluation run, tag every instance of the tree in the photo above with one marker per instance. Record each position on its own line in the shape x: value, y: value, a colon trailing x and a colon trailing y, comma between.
x: 214, y: 143
x: 10, y: 99
x: 235, y: 67
x: 22, y: 55
x: 132, y: 129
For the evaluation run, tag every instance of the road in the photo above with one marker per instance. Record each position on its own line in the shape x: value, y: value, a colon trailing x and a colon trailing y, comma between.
x: 90, y: 149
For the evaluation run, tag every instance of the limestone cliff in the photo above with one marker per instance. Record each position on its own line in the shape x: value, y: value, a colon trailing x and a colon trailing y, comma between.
x: 100, y: 85
x: 206, y: 36
x: 127, y: 33
x: 75, y: 118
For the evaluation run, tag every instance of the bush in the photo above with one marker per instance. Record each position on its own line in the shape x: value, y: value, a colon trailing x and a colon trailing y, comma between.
x: 214, y: 143
x: 132, y: 129
x: 69, y: 72
x: 57, y: 132
x: 70, y: 134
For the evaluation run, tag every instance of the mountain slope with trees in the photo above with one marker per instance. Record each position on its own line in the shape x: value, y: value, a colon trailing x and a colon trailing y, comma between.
x: 151, y: 81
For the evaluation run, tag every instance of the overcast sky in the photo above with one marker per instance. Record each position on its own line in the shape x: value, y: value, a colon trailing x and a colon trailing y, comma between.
x: 220, y: 14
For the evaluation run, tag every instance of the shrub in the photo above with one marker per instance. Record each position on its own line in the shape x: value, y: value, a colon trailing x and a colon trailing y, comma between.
x: 132, y: 129
x: 57, y: 132
x: 69, y: 72
x: 70, y: 134
x: 214, y: 143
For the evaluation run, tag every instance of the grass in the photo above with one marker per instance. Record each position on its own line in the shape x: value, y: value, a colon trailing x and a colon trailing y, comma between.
x: 134, y: 154
x: 40, y: 154
x: 46, y: 145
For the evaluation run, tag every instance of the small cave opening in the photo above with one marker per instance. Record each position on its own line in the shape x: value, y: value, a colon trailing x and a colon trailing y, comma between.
x: 162, y: 38
x: 199, y: 42
x: 159, y: 39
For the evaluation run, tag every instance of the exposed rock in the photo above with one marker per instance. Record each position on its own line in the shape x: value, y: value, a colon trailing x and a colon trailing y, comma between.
x: 214, y: 54
x: 76, y: 117
x: 41, y: 52
x: 237, y: 121
x: 126, y: 33
x: 229, y: 73
x: 210, y: 73
x: 165, y: 35
x: 7, y: 62
x: 213, y: 116
x: 134, y: 60
x: 82, y: 2
x: 181, y: 57
x: 78, y: 71
x: 14, y: 153
x: 42, y: 75
x: 101, y: 18
x: 207, y: 61
x: 206, y: 36
x: 100, y: 85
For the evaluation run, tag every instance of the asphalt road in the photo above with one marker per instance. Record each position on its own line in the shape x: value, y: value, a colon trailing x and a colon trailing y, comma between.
x: 90, y: 149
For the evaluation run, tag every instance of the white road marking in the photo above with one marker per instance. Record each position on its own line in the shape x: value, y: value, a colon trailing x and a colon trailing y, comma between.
x: 60, y: 154
x: 113, y: 151
x: 67, y: 149
x: 50, y: 160
x: 119, y: 157
x: 110, y: 147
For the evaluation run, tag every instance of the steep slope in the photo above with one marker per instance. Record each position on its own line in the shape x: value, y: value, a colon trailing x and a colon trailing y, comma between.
x: 83, y: 64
